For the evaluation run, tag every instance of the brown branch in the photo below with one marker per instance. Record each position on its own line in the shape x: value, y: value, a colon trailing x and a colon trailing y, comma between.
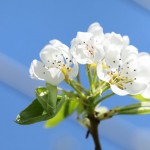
x: 94, y: 132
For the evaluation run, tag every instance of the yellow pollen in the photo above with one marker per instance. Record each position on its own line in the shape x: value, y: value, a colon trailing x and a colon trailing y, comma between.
x: 115, y: 78
x: 111, y: 81
x: 93, y: 65
x: 65, y: 70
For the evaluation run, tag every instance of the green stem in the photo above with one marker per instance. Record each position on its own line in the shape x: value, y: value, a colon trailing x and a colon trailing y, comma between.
x: 78, y: 77
x: 105, y: 87
x: 94, y: 80
x: 79, y: 86
x: 89, y: 76
x: 76, y: 89
x: 103, y: 98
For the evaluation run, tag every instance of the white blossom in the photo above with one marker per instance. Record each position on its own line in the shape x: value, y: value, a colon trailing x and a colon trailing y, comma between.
x: 123, y: 68
x: 86, y: 47
x: 57, y: 64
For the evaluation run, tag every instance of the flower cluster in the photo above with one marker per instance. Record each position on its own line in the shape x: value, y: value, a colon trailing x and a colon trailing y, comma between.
x: 117, y: 63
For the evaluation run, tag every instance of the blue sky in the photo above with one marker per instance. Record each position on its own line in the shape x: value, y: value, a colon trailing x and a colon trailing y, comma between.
x: 26, y: 26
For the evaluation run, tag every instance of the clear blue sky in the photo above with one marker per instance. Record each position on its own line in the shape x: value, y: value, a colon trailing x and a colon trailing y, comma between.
x: 26, y: 26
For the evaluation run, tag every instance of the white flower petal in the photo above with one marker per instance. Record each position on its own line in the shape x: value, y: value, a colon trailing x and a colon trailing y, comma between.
x: 112, y: 58
x: 114, y: 41
x: 126, y: 39
x: 118, y: 91
x: 102, y: 73
x: 144, y: 65
x: 98, y: 53
x: 128, y: 52
x: 31, y: 70
x: 38, y: 71
x: 56, y: 76
x: 58, y: 44
x: 74, y: 71
x: 96, y: 29
x: 135, y: 88
x: 63, y: 49
x: 48, y: 54
x: 80, y: 52
x: 80, y: 56
x: 83, y: 36
x: 113, y: 45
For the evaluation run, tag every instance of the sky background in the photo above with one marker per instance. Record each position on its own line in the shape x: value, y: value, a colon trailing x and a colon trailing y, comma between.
x: 27, y: 26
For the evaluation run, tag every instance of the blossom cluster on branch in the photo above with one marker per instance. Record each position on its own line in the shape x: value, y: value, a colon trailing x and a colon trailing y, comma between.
x: 113, y: 66
x: 118, y: 64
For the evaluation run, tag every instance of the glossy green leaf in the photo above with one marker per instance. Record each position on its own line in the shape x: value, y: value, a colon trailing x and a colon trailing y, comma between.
x: 47, y: 98
x: 35, y: 112
x: 140, y: 97
x: 67, y: 109
x: 42, y: 96
x: 32, y: 114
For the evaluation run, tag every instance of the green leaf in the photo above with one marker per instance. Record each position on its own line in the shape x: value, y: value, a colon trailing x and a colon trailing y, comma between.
x: 67, y: 109
x: 140, y: 97
x: 60, y: 102
x: 35, y: 112
x: 32, y: 114
x: 47, y: 98
x: 42, y: 96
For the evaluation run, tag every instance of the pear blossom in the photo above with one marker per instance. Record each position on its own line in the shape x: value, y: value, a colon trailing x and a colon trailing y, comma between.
x: 86, y: 47
x: 126, y: 70
x: 57, y: 64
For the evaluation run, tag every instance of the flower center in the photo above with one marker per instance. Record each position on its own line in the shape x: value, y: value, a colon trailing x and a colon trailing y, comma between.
x: 89, y: 48
x: 65, y: 70
x: 117, y: 77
